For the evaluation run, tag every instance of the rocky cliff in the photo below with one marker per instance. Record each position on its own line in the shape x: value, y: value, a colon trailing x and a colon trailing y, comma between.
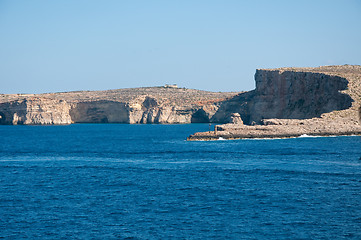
x: 134, y: 105
x: 34, y: 111
x: 290, y: 102
x: 299, y: 93
x: 331, y: 93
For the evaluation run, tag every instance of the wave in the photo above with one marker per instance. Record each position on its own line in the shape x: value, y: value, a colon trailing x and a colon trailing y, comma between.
x: 314, y: 136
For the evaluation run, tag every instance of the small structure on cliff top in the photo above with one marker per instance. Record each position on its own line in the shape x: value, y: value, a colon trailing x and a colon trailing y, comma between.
x: 171, y: 86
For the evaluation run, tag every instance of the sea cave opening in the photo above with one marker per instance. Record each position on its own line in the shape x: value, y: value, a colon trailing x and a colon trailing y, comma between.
x: 2, y: 118
x: 200, y: 117
x: 104, y: 120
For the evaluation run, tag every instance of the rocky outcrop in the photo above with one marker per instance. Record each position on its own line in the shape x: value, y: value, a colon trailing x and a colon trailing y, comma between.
x: 35, y: 110
x: 99, y: 112
x: 139, y: 105
x: 290, y: 102
x: 279, y: 129
x: 238, y: 104
x: 236, y: 119
x: 331, y: 93
x: 135, y: 113
x: 296, y: 93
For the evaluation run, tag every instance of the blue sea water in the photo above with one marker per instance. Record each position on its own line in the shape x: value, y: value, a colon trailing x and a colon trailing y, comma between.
x: 117, y: 181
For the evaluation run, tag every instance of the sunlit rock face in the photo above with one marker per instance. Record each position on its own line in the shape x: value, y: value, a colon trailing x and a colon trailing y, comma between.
x: 35, y: 111
x: 330, y: 92
x: 163, y: 105
x: 298, y: 93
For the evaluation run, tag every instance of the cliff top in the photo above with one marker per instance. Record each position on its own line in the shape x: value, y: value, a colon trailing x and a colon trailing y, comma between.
x: 161, y: 94
x: 185, y: 96
x: 338, y: 70
x: 352, y: 73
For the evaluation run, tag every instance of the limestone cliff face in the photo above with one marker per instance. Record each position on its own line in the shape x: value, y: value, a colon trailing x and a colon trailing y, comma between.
x: 238, y: 104
x: 298, y: 93
x: 145, y: 110
x: 99, y: 112
x: 330, y: 93
x: 133, y: 106
x: 35, y: 110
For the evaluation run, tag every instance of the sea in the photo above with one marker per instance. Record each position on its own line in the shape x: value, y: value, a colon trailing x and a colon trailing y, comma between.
x: 120, y: 181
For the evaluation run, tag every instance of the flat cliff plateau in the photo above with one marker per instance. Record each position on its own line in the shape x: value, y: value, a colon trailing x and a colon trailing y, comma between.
x: 290, y: 102
x: 167, y: 104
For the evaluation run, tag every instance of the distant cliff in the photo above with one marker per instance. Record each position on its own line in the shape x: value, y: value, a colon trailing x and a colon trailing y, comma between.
x: 34, y: 111
x: 332, y: 93
x: 133, y: 105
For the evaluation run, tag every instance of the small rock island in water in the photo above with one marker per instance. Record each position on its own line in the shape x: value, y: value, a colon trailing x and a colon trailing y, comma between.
x: 287, y: 102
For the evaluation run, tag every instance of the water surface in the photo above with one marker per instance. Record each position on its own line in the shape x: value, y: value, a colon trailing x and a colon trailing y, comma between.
x: 118, y: 181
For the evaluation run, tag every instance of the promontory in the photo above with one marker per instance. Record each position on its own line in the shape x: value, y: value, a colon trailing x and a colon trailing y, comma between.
x: 287, y: 102
x: 166, y: 104
x: 291, y: 102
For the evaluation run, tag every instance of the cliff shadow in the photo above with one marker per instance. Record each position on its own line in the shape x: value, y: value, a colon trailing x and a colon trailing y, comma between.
x: 200, y: 116
x: 13, y: 112
x: 297, y: 95
x: 2, y: 118
x: 237, y: 104
x: 287, y: 95
x: 99, y: 112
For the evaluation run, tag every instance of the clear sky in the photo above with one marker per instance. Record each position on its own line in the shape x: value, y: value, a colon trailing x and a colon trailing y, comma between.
x: 67, y: 45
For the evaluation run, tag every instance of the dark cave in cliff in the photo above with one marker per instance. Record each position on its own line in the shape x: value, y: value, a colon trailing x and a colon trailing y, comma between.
x: 2, y: 118
x: 200, y: 117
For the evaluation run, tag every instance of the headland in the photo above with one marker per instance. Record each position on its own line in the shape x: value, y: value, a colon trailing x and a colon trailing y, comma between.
x: 291, y: 102
x: 287, y: 102
x: 167, y: 104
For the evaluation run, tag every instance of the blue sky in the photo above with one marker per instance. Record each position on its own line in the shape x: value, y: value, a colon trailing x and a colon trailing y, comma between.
x: 54, y: 46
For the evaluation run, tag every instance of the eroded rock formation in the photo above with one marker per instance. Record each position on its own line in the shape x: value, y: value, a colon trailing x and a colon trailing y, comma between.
x: 289, y: 102
x: 34, y: 111
x: 137, y: 105
x: 330, y: 93
x: 296, y: 93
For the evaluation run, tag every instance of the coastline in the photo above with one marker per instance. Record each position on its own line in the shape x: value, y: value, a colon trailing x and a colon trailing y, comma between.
x: 196, y: 137
x: 327, y: 95
x: 239, y: 131
x: 291, y: 102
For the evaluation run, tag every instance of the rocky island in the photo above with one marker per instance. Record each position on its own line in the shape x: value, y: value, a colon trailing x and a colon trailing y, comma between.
x: 291, y: 102
x: 287, y: 102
